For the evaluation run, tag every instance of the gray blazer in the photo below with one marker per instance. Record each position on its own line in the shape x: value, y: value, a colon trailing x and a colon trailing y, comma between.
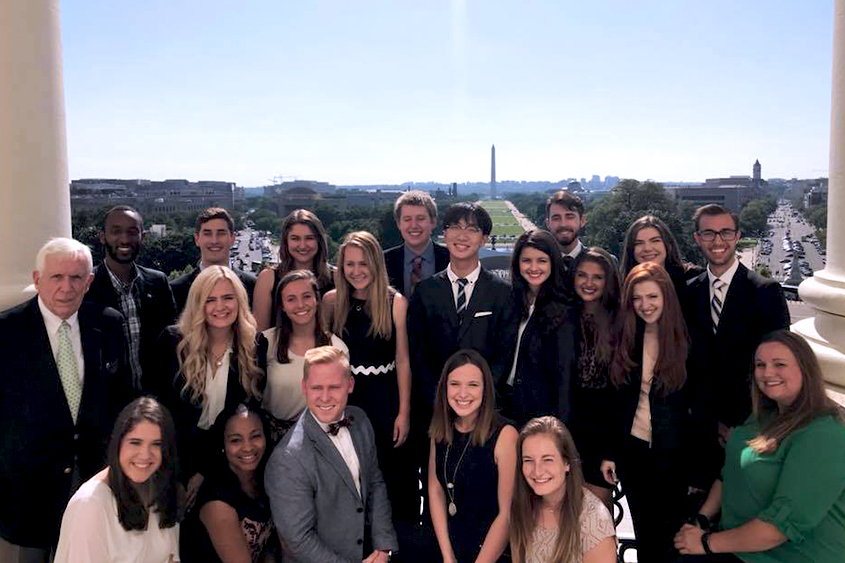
x: 316, y: 507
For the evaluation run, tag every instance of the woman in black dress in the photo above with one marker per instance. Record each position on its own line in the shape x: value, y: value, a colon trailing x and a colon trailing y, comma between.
x: 369, y: 316
x: 597, y: 287
x: 233, y: 520
x: 544, y: 357
x: 472, y: 464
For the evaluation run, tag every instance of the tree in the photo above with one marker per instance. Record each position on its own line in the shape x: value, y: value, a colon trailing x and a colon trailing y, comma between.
x: 754, y: 218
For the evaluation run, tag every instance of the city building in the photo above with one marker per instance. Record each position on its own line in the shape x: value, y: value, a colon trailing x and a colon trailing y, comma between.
x: 150, y: 196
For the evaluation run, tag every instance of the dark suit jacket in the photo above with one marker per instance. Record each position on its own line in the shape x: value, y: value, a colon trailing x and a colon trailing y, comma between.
x: 394, y: 259
x: 39, y: 440
x: 182, y: 285
x: 318, y: 512
x: 196, y: 447
x: 546, y: 365
x: 158, y: 310
x: 435, y: 332
x: 754, y: 305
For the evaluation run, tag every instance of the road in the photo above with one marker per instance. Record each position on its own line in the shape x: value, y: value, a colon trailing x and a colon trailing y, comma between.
x: 781, y: 222
x: 250, y: 259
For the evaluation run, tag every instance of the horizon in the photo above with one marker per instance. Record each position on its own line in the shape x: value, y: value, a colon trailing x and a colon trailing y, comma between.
x: 381, y: 93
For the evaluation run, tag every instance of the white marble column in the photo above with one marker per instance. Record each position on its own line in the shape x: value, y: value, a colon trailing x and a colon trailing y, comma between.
x: 825, y: 291
x: 34, y: 193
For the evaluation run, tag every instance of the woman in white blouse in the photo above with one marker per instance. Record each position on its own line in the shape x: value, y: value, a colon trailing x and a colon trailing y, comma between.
x: 129, y: 511
x: 208, y: 363
x: 281, y: 349
x: 554, y: 517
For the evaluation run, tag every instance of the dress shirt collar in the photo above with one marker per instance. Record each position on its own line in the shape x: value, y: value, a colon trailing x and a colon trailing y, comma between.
x: 726, y: 277
x: 472, y: 277
x: 427, y: 254
x: 575, y: 251
x: 53, y: 322
x: 325, y: 425
x: 117, y: 282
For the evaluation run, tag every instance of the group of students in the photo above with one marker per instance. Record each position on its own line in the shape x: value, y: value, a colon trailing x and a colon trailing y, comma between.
x: 518, y: 404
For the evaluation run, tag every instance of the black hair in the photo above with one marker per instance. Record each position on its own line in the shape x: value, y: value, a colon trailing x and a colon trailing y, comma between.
x: 470, y: 212
x: 125, y: 209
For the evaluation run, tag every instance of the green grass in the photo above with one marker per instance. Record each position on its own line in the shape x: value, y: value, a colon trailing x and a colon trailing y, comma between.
x: 504, y: 223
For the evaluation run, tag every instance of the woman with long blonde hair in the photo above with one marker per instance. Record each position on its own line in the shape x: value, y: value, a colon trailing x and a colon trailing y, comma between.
x: 369, y: 316
x: 207, y: 364
x: 554, y: 517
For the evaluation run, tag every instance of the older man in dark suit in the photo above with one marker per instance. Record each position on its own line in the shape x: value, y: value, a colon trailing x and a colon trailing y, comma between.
x: 728, y: 309
x: 327, y: 494
x: 141, y: 294
x: 62, y: 381
x: 214, y: 235
x: 419, y: 257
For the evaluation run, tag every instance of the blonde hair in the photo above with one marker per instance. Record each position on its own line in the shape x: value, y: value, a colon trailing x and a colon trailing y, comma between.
x: 193, y: 349
x: 379, y: 292
x: 325, y: 355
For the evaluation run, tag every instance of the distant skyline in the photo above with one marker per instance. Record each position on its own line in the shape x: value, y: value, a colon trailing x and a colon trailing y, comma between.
x: 381, y: 92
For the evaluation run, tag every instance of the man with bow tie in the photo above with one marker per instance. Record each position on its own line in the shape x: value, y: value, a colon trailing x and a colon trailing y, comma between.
x: 327, y: 494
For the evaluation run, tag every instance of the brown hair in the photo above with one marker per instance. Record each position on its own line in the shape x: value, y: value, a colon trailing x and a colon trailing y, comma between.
x: 526, y: 503
x: 284, y: 327
x: 714, y: 209
x: 606, y: 313
x: 441, y: 429
x: 811, y: 403
x: 320, y: 265
x: 670, y: 370
x: 567, y: 200
x: 674, y: 262
x: 207, y: 215
x: 415, y: 197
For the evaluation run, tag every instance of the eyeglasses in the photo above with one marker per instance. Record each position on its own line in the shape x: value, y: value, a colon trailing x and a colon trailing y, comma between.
x: 726, y: 235
x: 471, y: 229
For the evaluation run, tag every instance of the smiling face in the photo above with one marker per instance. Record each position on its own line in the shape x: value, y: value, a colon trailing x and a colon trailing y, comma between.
x: 719, y: 252
x: 649, y: 246
x: 303, y: 245
x: 465, y: 391
x: 299, y: 302
x: 244, y: 443
x: 415, y: 225
x: 356, y: 271
x: 589, y: 281
x: 777, y: 373
x: 463, y: 241
x: 543, y: 467
x: 214, y: 240
x: 62, y: 284
x: 121, y: 235
x: 565, y: 224
x: 648, y: 301
x: 221, y: 305
x: 140, y: 452
x: 535, y: 267
x: 327, y: 390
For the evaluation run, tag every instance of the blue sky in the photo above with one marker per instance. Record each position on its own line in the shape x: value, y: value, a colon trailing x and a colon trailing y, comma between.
x: 393, y: 91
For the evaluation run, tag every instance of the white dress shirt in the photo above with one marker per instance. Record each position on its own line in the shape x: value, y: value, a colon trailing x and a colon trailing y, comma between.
x: 471, y: 278
x: 727, y: 277
x: 216, y: 380
x: 343, y: 442
x: 53, y: 323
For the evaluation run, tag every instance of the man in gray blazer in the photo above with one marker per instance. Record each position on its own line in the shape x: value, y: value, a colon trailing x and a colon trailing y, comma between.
x: 327, y: 494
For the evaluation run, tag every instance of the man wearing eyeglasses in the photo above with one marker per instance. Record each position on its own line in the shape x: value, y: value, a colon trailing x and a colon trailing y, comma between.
x: 728, y: 308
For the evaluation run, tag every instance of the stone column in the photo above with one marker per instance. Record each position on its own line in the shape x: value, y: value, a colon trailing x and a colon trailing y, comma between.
x: 825, y: 291
x: 34, y: 193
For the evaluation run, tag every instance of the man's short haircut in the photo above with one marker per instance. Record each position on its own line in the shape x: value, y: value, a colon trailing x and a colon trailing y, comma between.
x: 214, y: 213
x: 470, y: 212
x: 567, y: 200
x: 415, y: 197
x: 714, y: 209
x: 63, y: 248
x: 325, y: 355
x: 125, y: 209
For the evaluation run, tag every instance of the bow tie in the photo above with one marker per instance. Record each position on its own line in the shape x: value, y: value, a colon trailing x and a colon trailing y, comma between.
x: 335, y: 427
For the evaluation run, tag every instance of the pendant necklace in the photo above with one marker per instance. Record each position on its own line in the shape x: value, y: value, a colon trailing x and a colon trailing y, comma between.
x: 450, y: 484
x: 218, y: 360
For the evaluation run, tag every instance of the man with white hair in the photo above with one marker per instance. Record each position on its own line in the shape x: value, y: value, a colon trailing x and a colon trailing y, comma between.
x: 63, y: 378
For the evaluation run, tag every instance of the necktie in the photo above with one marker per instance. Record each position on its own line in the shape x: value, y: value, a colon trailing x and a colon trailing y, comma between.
x: 416, y: 274
x: 335, y: 427
x: 68, y: 371
x: 717, y: 302
x: 461, y: 304
x: 567, y: 262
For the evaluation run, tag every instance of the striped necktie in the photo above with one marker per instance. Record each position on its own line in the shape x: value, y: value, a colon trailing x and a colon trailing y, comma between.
x: 461, y: 304
x: 416, y: 273
x: 717, y: 302
x: 69, y: 371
